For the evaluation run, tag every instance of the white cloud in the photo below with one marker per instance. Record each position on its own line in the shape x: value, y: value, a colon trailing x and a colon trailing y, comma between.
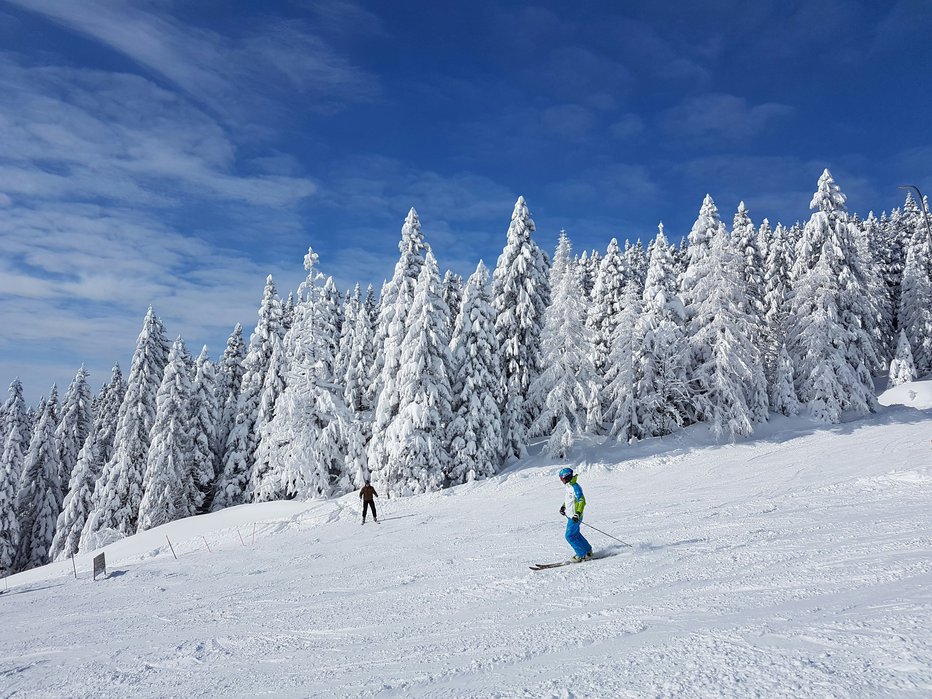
x: 722, y: 117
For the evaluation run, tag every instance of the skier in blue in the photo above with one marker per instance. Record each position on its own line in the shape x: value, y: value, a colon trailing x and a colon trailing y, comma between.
x: 575, y: 502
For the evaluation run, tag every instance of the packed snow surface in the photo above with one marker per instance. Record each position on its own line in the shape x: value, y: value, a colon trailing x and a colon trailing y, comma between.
x: 795, y: 564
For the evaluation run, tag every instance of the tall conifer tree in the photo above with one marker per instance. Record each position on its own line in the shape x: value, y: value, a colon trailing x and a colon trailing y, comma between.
x: 39, y: 497
x: 417, y: 441
x: 167, y: 485
x: 520, y: 295
x: 476, y: 427
x: 233, y: 483
x: 119, y: 490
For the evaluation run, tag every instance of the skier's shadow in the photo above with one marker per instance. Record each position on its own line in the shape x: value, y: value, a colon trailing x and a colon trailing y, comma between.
x: 658, y: 547
x: 389, y: 519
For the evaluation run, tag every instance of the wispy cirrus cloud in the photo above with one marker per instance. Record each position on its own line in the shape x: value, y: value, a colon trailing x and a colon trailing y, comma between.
x: 72, y: 133
x: 214, y: 69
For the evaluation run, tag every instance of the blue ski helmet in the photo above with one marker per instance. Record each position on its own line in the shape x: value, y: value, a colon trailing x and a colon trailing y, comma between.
x: 566, y: 475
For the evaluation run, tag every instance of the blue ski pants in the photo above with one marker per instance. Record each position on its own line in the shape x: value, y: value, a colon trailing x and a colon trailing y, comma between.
x: 576, y: 539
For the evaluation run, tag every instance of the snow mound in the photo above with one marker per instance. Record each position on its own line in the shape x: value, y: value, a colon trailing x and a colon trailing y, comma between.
x: 915, y: 394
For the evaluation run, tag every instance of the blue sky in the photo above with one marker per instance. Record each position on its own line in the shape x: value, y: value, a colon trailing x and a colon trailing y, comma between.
x: 175, y: 153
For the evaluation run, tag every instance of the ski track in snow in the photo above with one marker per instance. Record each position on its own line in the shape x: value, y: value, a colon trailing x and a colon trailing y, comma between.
x: 798, y: 564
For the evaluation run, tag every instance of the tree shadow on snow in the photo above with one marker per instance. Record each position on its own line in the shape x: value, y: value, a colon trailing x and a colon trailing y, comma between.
x: 31, y: 589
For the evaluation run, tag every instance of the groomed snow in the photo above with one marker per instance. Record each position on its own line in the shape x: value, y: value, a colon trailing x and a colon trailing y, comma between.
x: 796, y: 564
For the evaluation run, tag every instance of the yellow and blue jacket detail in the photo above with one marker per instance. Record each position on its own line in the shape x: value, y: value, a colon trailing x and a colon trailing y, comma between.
x: 575, y: 501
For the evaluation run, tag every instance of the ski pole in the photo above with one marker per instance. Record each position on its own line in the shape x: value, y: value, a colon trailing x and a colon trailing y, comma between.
x: 605, y: 533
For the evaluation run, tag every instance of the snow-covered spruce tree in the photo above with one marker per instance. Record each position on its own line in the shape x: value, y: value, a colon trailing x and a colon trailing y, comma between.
x: 884, y: 290
x: 39, y: 497
x: 708, y: 224
x: 371, y: 304
x: 167, y: 493
x: 744, y: 243
x: 776, y: 298
x: 306, y: 435
x: 825, y: 379
x: 902, y: 368
x: 606, y: 304
x: 520, y: 294
x: 636, y: 263
x: 783, y: 398
x: 397, y: 297
x: 75, y: 424
x: 240, y: 452
x: 569, y: 381
x: 587, y: 271
x: 17, y: 428
x: 915, y: 311
x: 288, y: 311
x: 727, y: 383
x: 204, y: 427
x: 53, y: 406
x: 352, y: 307
x: 119, y: 490
x: 272, y: 387
x: 229, y: 380
x: 96, y: 451
x: 32, y: 419
x: 359, y: 361
x: 476, y: 428
x: 77, y: 503
x: 12, y: 456
x: 764, y: 236
x: 107, y: 414
x: 356, y: 465
x: 416, y: 440
x: 660, y: 350
x: 829, y: 205
x: 828, y: 339
x: 333, y: 307
x: 621, y: 380
x: 890, y: 244
x: 867, y: 271
x: 452, y: 296
x: 9, y: 523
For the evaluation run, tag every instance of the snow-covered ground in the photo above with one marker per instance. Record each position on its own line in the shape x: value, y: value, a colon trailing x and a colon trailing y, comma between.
x: 795, y: 564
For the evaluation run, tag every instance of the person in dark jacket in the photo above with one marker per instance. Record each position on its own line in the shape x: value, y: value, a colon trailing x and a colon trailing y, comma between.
x: 367, y: 494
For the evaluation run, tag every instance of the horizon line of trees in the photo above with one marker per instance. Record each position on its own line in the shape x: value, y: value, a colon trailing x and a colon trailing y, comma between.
x: 439, y: 381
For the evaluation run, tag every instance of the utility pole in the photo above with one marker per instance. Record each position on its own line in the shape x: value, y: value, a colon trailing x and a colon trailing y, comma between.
x: 922, y: 207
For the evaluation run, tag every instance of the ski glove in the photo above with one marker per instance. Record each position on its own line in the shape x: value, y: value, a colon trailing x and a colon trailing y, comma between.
x: 563, y: 510
x: 576, y: 518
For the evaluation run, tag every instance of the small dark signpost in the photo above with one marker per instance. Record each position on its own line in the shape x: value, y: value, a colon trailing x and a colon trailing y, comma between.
x: 100, y: 565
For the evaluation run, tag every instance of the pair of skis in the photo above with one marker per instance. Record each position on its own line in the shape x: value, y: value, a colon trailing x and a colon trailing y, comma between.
x: 546, y: 566
x: 603, y: 553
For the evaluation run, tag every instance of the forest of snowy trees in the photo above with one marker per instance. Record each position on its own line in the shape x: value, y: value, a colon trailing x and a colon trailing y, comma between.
x: 436, y: 381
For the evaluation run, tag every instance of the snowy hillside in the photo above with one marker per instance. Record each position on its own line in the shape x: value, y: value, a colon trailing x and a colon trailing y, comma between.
x: 794, y: 565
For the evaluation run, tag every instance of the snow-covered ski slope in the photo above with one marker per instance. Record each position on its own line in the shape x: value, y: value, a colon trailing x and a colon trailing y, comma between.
x: 796, y: 564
